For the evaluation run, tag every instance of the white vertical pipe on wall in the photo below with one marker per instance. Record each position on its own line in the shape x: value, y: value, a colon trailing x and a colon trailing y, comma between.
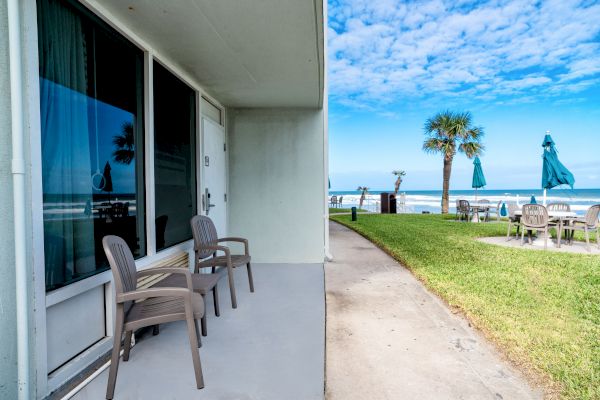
x: 328, y: 256
x: 18, y: 174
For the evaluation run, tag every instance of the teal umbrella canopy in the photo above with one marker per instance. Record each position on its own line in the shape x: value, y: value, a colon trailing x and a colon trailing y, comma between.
x: 554, y: 173
x: 478, y: 178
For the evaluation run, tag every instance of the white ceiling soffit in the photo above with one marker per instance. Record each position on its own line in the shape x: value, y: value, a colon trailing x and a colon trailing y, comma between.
x: 246, y: 53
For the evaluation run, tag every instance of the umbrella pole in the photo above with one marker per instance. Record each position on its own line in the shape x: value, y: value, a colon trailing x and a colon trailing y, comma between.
x: 476, y: 213
x: 544, y: 197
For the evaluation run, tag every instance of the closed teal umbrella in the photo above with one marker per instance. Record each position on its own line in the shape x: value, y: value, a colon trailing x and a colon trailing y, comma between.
x: 554, y: 173
x: 478, y: 178
x: 478, y: 181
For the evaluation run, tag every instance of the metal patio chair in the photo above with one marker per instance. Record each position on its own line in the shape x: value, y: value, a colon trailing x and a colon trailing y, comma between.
x: 206, y: 246
x: 138, y: 308
x: 465, y: 210
x: 456, y: 217
x: 534, y: 217
x: 559, y: 207
x: 513, y: 220
x: 587, y: 224
x: 340, y: 200
x: 498, y: 211
x: 554, y: 223
x: 333, y: 201
x: 484, y: 208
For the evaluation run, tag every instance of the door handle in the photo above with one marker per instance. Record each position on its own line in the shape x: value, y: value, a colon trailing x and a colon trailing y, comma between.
x: 207, y: 197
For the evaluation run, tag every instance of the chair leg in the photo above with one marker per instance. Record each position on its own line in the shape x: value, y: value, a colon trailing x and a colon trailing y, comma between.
x: 250, y: 280
x: 231, y: 287
x: 508, y: 232
x: 587, y: 239
x: 155, y: 330
x: 598, y: 237
x: 546, y: 233
x: 522, y: 237
x: 216, y: 301
x: 203, y: 324
x: 127, y: 344
x: 192, y: 333
x: 114, y: 361
x: 198, y: 331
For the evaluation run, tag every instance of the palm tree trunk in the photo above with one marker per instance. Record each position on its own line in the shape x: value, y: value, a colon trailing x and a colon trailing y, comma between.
x: 446, y: 185
x: 397, y: 186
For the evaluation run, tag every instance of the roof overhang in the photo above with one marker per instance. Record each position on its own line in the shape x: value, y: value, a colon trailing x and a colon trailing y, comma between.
x: 267, y: 53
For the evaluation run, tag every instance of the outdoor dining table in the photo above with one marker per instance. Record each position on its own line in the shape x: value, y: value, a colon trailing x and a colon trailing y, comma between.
x: 560, y: 216
x: 476, y: 207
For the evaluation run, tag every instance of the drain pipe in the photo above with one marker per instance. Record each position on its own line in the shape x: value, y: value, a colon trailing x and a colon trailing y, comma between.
x: 18, y: 175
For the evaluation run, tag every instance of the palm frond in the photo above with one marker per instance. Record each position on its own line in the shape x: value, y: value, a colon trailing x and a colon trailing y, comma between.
x: 471, y: 149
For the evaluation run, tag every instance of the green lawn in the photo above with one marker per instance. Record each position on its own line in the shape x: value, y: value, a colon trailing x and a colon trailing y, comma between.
x: 333, y: 210
x: 541, y: 308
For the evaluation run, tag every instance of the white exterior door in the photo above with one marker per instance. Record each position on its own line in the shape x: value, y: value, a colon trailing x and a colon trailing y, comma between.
x: 214, y: 167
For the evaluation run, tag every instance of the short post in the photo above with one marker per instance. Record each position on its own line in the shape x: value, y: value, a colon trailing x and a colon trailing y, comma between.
x: 353, y: 213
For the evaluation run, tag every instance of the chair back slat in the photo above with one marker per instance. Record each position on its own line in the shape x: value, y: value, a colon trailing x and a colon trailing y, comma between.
x: 591, y: 216
x: 534, y: 216
x: 205, y: 234
x: 559, y: 207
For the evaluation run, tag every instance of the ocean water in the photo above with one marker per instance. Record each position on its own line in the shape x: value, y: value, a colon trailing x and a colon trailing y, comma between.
x: 418, y: 201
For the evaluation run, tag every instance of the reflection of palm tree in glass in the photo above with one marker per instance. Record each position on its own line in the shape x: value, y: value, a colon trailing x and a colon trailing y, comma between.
x: 124, y: 143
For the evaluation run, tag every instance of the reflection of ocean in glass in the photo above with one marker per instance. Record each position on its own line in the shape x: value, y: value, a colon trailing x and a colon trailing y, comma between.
x: 77, y: 216
x: 110, y: 122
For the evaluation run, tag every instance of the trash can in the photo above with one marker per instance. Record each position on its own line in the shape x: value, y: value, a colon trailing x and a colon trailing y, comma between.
x: 393, y: 208
x: 385, y: 203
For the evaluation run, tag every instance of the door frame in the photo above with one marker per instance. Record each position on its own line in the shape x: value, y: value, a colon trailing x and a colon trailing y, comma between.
x: 201, y: 186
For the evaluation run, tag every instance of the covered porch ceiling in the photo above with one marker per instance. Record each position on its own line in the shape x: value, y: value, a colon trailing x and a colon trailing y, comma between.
x: 266, y: 53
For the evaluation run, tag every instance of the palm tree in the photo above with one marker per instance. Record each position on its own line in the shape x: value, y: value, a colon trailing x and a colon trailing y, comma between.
x: 448, y: 132
x: 399, y: 174
x: 125, y: 145
x: 364, y: 190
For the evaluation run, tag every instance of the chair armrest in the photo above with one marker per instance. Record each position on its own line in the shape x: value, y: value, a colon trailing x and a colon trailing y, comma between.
x: 237, y: 239
x: 224, y: 249
x: 169, y: 270
x: 155, y: 292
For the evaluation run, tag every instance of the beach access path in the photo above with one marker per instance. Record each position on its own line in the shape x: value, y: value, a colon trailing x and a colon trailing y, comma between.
x: 389, y: 338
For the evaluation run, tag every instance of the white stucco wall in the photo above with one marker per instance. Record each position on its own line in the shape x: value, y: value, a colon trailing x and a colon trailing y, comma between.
x: 8, y: 334
x: 276, y: 183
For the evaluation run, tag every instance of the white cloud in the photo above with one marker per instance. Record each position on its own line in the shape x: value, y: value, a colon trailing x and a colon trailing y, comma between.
x: 389, y: 50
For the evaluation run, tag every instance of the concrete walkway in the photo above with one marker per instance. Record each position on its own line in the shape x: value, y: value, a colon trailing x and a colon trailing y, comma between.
x: 389, y: 338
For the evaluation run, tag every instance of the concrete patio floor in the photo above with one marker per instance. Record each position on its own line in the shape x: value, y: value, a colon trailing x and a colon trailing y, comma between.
x: 389, y: 338
x: 270, y: 347
x: 576, y: 247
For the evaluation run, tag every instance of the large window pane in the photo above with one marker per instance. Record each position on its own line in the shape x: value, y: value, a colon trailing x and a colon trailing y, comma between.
x: 174, y: 157
x: 91, y: 96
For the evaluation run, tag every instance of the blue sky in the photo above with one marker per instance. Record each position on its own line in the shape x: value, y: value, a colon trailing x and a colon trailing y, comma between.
x: 520, y: 68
